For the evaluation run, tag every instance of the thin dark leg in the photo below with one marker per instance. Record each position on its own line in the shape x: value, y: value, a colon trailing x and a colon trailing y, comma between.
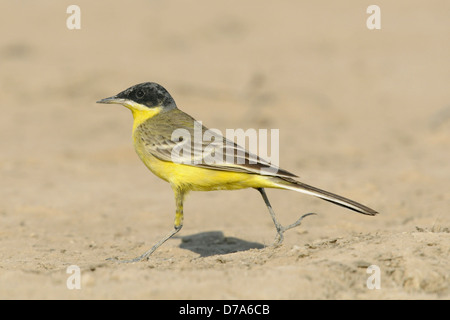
x: 178, y: 224
x: 280, y: 229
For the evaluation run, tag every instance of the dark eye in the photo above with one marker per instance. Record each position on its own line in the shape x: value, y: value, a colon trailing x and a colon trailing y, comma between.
x: 140, y: 94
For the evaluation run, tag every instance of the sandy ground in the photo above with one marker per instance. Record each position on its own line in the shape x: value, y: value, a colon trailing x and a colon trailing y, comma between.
x: 363, y: 113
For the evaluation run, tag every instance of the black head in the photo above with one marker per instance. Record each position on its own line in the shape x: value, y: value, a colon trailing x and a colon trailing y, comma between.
x: 148, y: 94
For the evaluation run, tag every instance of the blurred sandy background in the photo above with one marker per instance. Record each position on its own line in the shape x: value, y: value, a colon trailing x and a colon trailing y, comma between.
x: 362, y: 113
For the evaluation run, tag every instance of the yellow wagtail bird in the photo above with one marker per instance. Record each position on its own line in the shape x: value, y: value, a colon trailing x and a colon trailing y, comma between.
x: 156, y: 118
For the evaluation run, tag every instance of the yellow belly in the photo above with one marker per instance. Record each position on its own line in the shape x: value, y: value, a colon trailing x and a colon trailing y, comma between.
x: 189, y: 177
x: 194, y: 178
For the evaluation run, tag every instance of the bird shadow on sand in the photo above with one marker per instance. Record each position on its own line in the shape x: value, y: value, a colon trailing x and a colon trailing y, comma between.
x: 214, y: 242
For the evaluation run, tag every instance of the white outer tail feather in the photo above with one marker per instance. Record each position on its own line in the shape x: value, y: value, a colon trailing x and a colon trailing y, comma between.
x: 291, y: 184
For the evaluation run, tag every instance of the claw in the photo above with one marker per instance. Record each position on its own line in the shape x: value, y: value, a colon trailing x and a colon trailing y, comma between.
x: 281, y: 229
x: 298, y: 222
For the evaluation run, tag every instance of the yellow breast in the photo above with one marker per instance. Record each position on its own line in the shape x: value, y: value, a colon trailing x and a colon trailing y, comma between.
x: 189, y: 177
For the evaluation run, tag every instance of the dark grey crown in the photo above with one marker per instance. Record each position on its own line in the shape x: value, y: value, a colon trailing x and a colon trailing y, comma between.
x: 149, y: 94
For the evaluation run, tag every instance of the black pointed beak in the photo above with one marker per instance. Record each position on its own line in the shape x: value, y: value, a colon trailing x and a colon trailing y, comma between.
x: 113, y: 99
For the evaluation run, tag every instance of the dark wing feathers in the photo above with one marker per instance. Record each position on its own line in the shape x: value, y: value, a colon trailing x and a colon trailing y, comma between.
x: 218, y: 154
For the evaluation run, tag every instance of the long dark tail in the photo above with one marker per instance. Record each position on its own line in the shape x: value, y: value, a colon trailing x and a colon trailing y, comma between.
x: 291, y: 184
